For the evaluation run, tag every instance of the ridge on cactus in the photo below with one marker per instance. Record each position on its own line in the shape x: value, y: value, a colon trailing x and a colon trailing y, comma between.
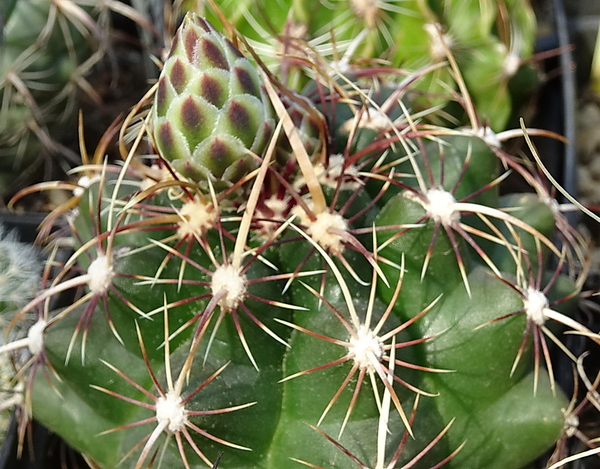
x: 309, y: 267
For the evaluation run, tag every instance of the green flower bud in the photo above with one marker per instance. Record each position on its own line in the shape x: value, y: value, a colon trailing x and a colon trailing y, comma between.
x: 211, y: 111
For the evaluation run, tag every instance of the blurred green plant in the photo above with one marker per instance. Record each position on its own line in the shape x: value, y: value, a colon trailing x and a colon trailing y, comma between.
x: 48, y: 46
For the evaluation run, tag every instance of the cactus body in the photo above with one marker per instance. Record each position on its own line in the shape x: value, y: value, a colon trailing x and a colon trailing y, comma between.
x: 374, y: 303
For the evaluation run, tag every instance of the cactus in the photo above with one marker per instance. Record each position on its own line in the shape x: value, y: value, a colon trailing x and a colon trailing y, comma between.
x: 491, y: 40
x: 355, y: 292
x: 19, y: 273
x: 47, y: 48
x: 19, y: 278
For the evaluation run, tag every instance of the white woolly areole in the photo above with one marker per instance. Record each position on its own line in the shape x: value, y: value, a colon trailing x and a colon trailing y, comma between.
x: 512, y: 61
x: 489, y: 136
x: 340, y: 66
x: 84, y: 182
x: 535, y: 305
x: 321, y: 231
x: 371, y: 118
x: 71, y: 215
x: 35, y: 337
x: 438, y: 42
x: 275, y: 209
x: 230, y: 279
x: 366, y: 348
x: 571, y: 425
x: 367, y: 9
x: 334, y: 175
x: 171, y: 412
x: 553, y: 205
x: 100, y: 273
x: 158, y: 174
x: 295, y: 33
x: 196, y: 218
x: 336, y: 171
x: 440, y: 206
x: 277, y: 206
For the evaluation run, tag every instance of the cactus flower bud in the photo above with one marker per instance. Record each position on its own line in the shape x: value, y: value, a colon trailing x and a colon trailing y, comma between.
x: 210, y: 111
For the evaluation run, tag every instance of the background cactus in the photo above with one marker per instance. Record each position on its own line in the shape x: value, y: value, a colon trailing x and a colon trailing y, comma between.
x: 56, y: 56
x: 47, y: 48
x: 492, y: 41
x: 357, y: 294
x: 19, y: 273
x: 19, y: 278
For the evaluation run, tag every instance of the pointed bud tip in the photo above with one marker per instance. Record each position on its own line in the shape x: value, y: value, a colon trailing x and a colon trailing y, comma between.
x: 203, y: 23
x: 212, y: 90
x: 238, y: 116
x: 212, y: 53
x: 178, y: 75
x: 191, y: 114
x: 246, y: 82
x: 190, y: 41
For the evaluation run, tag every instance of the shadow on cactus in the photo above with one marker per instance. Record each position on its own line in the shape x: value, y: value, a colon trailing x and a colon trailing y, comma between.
x: 309, y: 272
